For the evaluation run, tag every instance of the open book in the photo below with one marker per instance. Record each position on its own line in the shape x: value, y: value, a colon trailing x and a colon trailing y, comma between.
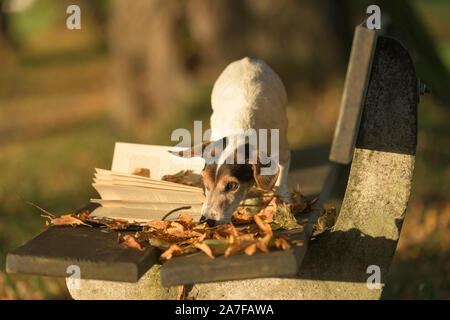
x: 146, y: 197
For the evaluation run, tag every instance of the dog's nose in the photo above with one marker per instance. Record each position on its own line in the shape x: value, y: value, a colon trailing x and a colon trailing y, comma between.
x: 210, y: 222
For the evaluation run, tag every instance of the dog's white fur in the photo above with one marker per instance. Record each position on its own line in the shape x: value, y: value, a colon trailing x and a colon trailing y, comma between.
x: 249, y: 94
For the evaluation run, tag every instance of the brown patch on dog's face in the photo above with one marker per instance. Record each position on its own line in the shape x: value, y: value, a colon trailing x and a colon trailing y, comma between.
x: 225, y: 187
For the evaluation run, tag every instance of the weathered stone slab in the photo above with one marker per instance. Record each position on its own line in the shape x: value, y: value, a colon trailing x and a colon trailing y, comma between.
x: 148, y: 287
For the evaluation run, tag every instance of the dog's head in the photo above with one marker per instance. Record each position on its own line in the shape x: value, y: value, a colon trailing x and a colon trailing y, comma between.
x: 226, y: 185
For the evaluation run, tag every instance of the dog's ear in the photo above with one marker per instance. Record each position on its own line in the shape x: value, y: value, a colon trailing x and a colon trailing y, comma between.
x: 263, y: 181
x: 193, y: 151
x: 266, y: 181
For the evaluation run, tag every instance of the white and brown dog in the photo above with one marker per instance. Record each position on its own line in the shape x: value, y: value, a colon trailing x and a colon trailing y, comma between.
x: 247, y: 95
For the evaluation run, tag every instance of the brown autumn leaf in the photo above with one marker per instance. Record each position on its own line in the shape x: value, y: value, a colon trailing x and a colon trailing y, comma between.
x: 175, y: 228
x: 236, y: 244
x: 119, y: 221
x: 181, y: 292
x: 174, y: 250
x: 143, y: 172
x: 187, y: 219
x: 205, y: 248
x: 67, y: 220
x: 200, y: 226
x: 202, y: 237
x: 157, y: 224
x: 299, y: 207
x: 268, y: 212
x: 251, y: 249
x: 242, y: 219
x: 280, y: 242
x: 227, y: 230
x: 177, y: 178
x: 262, y: 244
x: 128, y: 241
x: 83, y: 216
x: 265, y: 228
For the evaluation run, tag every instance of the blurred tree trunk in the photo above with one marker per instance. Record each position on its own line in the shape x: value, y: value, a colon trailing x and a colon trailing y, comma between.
x: 161, y: 49
x: 399, y: 20
x: 6, y: 40
x: 148, y: 71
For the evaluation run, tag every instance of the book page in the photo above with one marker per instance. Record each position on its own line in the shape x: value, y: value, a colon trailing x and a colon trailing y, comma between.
x: 130, y: 193
x: 163, y: 207
x: 140, y: 215
x: 128, y: 156
x: 119, y: 183
x: 109, y: 177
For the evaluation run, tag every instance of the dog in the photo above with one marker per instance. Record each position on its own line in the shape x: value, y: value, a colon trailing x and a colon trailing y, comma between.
x: 248, y: 95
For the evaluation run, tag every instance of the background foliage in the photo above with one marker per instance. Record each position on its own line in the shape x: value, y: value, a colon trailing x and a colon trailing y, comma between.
x: 137, y: 70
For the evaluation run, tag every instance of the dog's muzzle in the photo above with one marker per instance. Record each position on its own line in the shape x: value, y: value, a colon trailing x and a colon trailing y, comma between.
x: 209, y: 222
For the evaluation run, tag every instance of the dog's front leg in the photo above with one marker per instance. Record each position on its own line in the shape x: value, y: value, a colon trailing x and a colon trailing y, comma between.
x: 281, y: 187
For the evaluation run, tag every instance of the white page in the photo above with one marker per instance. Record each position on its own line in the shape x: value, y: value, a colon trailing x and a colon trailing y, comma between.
x: 118, y: 182
x: 106, y: 176
x: 163, y: 207
x: 110, y: 192
x: 103, y: 173
x: 128, y: 156
x: 140, y: 215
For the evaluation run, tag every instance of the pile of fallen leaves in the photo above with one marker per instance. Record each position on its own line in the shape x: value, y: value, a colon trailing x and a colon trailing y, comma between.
x: 258, y: 226
x: 257, y: 233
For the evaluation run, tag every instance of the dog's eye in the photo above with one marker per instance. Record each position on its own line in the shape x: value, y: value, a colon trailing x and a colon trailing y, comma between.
x: 231, y: 186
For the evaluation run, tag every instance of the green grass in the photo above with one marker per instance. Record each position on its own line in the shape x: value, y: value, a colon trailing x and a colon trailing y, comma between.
x: 55, y: 172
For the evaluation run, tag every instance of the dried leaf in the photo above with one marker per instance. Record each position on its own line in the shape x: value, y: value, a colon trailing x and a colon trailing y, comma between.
x: 175, y: 228
x: 265, y: 228
x: 129, y: 241
x: 205, y: 248
x: 174, y: 250
x: 186, y: 219
x: 263, y: 243
x: 200, y: 226
x: 285, y: 218
x: 217, y: 246
x: 238, y: 244
x: 158, y: 224
x: 180, y: 295
x: 159, y: 243
x: 269, y: 211
x: 251, y: 249
x: 227, y: 230
x: 177, y: 178
x: 143, y: 172
x: 67, y: 220
x: 282, y: 243
x: 242, y: 219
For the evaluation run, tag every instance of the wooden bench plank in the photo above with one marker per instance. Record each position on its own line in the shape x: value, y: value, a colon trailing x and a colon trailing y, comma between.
x: 354, y: 94
x: 96, y: 253
x: 200, y: 268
